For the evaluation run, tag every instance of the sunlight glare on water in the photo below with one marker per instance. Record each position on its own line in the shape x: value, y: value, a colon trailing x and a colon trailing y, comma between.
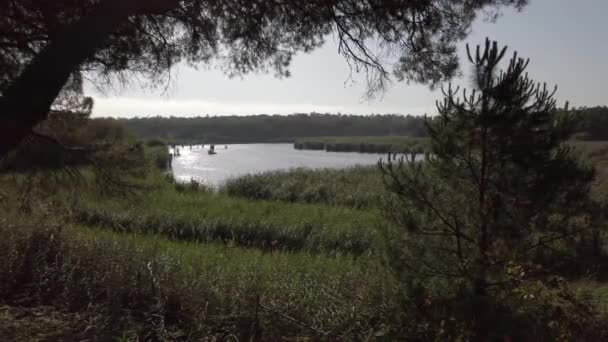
x: 240, y: 159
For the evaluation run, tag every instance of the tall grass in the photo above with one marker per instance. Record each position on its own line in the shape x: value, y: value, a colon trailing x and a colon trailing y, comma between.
x: 357, y: 187
x: 207, y: 217
x: 151, y: 277
x: 143, y: 287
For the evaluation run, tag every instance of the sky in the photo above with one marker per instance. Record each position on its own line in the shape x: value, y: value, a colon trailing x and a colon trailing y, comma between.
x: 566, y: 41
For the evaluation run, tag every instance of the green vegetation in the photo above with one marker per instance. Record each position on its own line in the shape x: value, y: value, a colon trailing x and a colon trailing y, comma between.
x: 206, y: 217
x: 594, y: 123
x: 355, y: 187
x: 499, y: 233
x: 332, y: 132
x: 180, y: 263
x: 133, y: 286
x: 368, y: 144
x: 269, y: 128
x: 360, y: 186
x: 501, y: 209
x: 112, y: 42
x: 282, y: 254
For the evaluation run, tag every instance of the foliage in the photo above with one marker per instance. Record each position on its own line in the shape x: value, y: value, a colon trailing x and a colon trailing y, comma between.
x: 500, y: 187
x: 136, y: 287
x: 155, y: 143
x: 530, y: 310
x: 594, y: 123
x: 334, y: 132
x: 45, y: 44
x: 195, y: 215
x: 67, y: 146
x: 269, y: 128
x: 161, y: 271
x: 67, y: 140
x: 245, y: 35
x: 159, y: 156
x: 356, y: 187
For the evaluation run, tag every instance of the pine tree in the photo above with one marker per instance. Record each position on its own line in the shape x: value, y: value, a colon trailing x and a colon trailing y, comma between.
x: 500, y: 188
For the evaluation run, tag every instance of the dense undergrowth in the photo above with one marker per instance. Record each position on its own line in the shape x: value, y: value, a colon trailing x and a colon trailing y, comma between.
x: 121, y: 286
x: 145, y: 287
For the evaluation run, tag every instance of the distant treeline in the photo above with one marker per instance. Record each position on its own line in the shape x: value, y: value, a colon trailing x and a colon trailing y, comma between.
x: 286, y: 128
x: 271, y: 128
x: 594, y: 124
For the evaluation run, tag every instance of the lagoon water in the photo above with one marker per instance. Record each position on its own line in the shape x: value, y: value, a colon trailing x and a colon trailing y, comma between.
x: 240, y: 159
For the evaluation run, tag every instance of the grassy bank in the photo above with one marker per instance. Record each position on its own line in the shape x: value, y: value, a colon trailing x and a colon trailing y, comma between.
x: 169, y: 264
x: 174, y: 263
x: 364, y: 144
x: 207, y: 217
x: 356, y: 187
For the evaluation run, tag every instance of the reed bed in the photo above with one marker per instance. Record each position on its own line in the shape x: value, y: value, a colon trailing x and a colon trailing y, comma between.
x: 358, y: 187
x: 209, y: 217
x: 369, y: 144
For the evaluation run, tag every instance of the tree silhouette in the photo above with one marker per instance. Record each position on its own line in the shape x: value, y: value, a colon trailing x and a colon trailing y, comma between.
x: 44, y: 43
x: 500, y: 188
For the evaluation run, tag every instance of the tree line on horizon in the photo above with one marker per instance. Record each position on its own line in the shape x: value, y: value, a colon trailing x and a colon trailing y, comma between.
x: 270, y: 128
x: 285, y: 128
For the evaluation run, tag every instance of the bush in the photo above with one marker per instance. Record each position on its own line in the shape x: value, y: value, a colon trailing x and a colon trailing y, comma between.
x: 155, y: 143
x: 501, y: 187
x: 528, y: 311
x: 159, y: 157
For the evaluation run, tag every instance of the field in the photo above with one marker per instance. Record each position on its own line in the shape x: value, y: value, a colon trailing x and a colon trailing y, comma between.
x: 145, y: 285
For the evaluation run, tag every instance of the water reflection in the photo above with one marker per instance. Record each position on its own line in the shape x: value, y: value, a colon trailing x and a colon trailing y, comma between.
x: 239, y: 159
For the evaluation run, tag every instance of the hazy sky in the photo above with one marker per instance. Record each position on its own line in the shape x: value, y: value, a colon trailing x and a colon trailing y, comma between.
x: 566, y: 40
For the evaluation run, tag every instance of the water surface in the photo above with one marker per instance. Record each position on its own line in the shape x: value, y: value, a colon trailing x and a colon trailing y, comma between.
x: 240, y: 159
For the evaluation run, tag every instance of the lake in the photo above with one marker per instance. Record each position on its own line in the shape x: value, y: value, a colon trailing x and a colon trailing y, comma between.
x: 240, y: 159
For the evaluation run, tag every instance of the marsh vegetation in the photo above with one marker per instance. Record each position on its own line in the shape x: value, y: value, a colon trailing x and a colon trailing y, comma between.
x: 486, y: 222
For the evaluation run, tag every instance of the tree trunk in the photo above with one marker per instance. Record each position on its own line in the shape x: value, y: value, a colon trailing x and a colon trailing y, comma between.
x: 28, y: 99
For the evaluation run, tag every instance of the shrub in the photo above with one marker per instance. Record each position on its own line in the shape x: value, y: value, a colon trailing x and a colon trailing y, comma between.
x: 500, y: 187
x: 155, y: 143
